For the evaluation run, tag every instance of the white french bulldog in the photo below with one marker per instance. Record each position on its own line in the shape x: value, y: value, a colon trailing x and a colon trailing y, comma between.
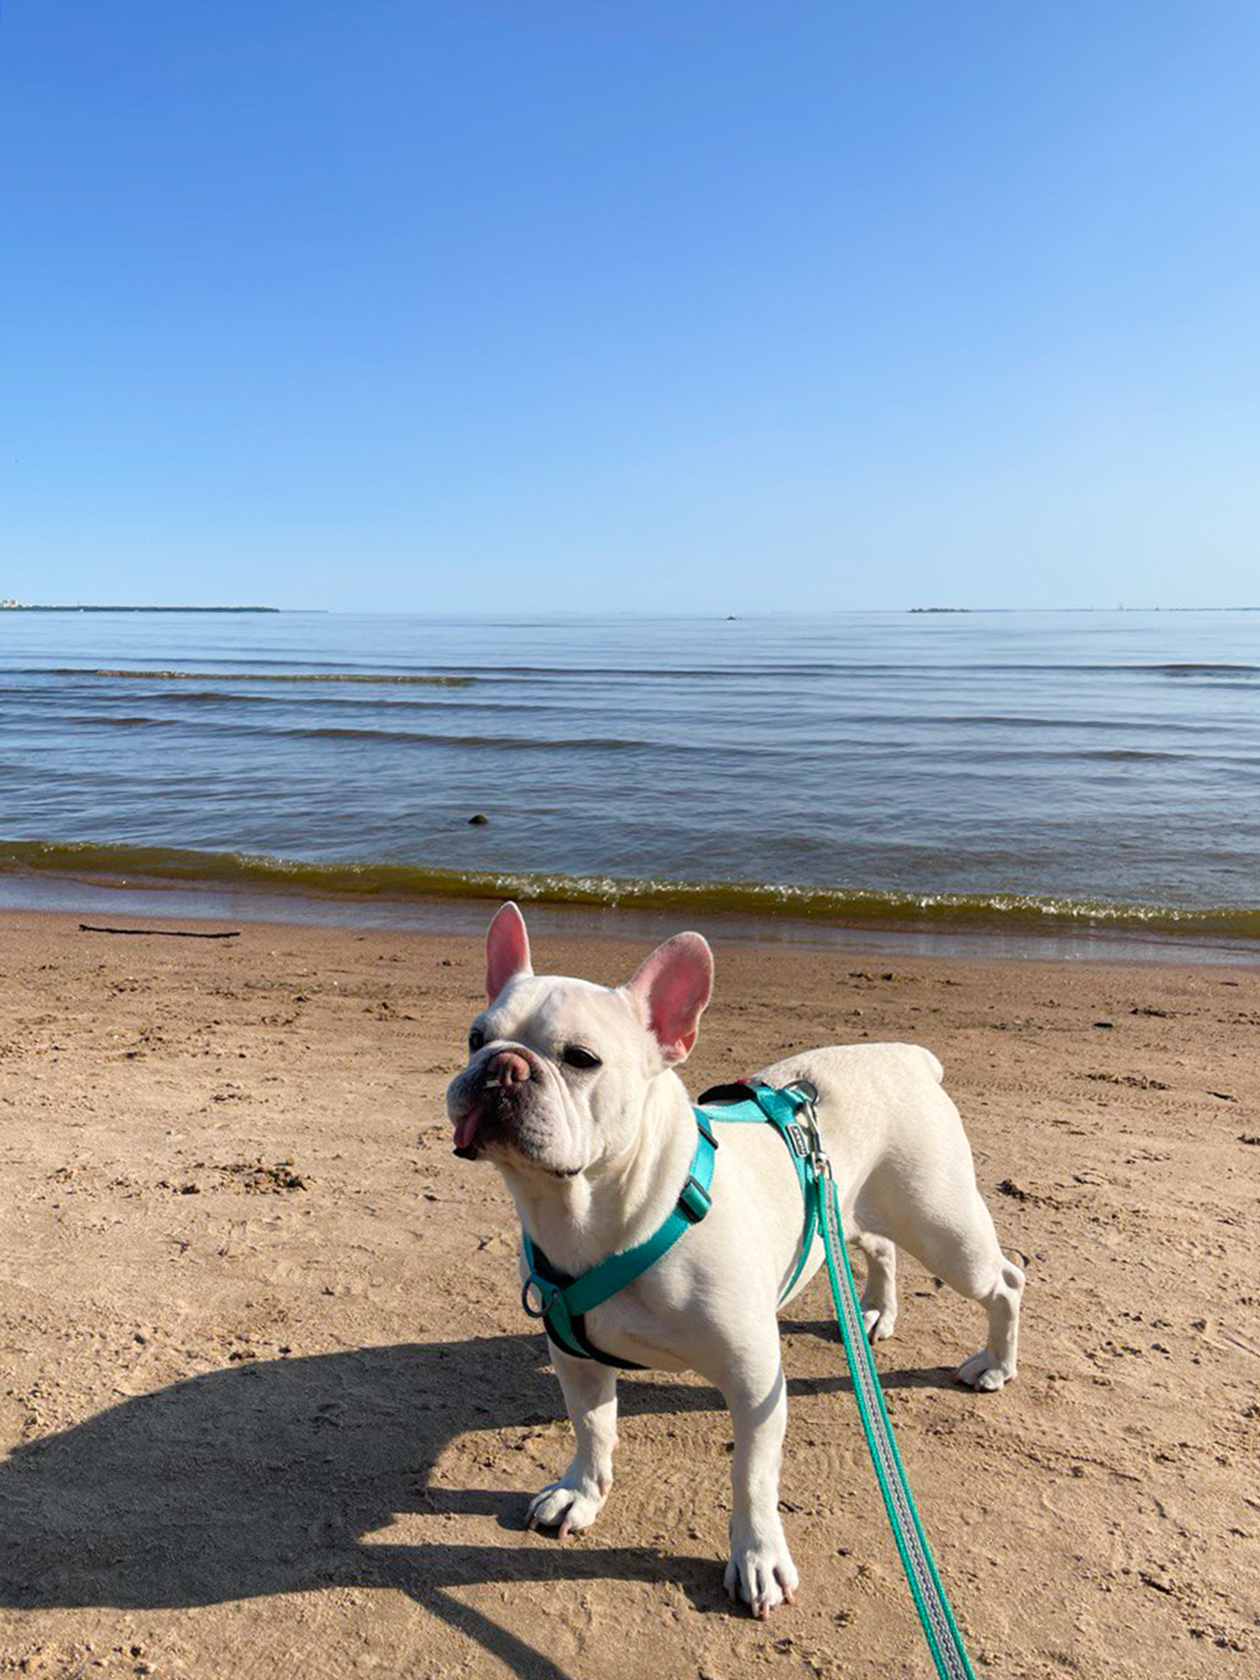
x: 570, y: 1091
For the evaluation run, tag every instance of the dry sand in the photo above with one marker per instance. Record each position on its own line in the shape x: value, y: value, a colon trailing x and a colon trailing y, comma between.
x: 271, y: 1408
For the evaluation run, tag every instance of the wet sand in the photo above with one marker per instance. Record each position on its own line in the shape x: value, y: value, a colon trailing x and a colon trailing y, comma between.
x: 269, y: 1404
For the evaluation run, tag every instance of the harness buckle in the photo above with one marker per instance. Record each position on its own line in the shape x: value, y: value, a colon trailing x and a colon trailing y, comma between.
x: 695, y: 1201
x: 546, y: 1292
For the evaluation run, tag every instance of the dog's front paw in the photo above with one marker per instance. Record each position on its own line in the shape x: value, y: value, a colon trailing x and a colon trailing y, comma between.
x: 569, y: 1505
x: 984, y: 1371
x: 761, y: 1572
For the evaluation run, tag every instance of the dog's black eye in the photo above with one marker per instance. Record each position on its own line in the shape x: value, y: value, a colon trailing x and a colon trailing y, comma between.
x: 576, y: 1057
x: 476, y: 1039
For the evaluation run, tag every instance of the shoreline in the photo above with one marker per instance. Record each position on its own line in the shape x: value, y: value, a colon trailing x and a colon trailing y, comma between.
x: 1012, y: 914
x: 63, y: 894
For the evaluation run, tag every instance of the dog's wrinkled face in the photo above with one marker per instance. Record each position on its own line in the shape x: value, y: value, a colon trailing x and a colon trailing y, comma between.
x: 558, y: 1070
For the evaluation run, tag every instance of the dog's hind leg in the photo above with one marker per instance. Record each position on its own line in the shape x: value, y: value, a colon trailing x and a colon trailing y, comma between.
x: 995, y: 1364
x: 955, y: 1240
x: 939, y: 1217
x: 590, y: 1398
x: 879, y: 1297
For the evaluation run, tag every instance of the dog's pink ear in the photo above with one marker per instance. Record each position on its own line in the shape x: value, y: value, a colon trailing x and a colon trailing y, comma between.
x: 671, y: 989
x: 507, y: 950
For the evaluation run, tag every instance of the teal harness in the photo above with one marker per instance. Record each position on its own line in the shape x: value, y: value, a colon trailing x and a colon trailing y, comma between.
x: 562, y: 1303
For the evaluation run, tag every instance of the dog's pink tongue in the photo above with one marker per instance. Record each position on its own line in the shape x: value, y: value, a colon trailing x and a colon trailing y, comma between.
x: 466, y: 1131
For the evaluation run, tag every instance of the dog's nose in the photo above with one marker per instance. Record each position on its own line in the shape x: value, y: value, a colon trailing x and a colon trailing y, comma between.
x: 508, y: 1069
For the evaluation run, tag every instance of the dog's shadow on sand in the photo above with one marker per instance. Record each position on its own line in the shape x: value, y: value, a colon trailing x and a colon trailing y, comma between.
x: 265, y: 1477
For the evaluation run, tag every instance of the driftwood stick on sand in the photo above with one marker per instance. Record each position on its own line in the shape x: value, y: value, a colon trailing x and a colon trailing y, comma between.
x: 159, y: 933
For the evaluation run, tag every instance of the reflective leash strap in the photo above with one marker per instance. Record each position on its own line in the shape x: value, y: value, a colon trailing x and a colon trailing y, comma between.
x: 939, y: 1626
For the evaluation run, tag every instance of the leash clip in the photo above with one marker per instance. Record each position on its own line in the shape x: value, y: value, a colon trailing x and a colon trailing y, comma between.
x: 819, y: 1160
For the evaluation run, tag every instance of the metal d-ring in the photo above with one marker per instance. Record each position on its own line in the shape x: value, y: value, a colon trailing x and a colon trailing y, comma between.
x: 546, y: 1293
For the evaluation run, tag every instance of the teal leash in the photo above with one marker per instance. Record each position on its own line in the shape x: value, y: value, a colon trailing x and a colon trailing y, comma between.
x: 791, y: 1110
x: 937, y: 1619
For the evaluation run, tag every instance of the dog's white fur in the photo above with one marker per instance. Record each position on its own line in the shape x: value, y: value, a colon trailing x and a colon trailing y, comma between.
x: 595, y: 1159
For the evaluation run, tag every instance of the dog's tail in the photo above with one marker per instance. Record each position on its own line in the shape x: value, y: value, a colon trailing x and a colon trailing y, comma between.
x: 938, y: 1072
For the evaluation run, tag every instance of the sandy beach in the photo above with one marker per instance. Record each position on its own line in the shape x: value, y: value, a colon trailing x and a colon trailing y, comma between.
x: 270, y: 1407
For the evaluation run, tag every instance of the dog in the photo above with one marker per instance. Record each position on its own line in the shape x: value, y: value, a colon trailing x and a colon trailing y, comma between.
x: 571, y: 1091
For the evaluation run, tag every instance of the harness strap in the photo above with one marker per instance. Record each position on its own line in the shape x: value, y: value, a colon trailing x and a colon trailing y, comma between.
x: 752, y: 1102
x: 566, y: 1330
x: 562, y: 1303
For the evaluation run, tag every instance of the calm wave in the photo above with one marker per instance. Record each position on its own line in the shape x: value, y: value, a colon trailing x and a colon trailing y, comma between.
x: 1080, y: 767
x: 745, y: 898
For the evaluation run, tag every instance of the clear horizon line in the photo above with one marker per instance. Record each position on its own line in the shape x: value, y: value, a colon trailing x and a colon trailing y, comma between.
x: 612, y: 612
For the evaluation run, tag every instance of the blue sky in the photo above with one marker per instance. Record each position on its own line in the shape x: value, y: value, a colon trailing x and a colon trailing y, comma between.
x: 412, y: 304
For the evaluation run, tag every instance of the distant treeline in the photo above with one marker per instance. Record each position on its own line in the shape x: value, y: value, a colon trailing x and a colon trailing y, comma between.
x: 15, y: 607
